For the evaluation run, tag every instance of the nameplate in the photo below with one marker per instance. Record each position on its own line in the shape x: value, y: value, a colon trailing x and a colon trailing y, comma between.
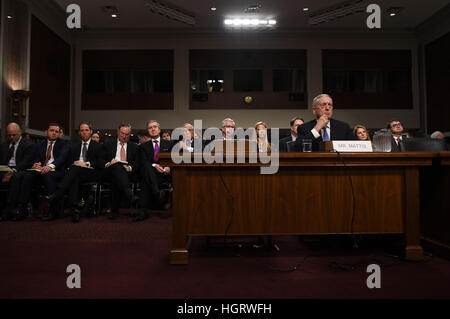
x: 352, y: 146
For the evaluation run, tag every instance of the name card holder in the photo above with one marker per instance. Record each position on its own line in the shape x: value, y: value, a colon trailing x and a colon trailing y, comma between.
x: 352, y: 146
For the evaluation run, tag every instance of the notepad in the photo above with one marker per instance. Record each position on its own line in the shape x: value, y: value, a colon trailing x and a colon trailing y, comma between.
x: 38, y: 170
x: 5, y: 168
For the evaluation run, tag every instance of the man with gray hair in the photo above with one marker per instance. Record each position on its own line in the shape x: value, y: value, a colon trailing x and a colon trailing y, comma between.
x: 155, y: 178
x: 324, y: 127
x: 228, y: 127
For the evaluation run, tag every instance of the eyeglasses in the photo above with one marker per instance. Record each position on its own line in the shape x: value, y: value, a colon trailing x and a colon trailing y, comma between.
x: 228, y: 126
x: 396, y: 124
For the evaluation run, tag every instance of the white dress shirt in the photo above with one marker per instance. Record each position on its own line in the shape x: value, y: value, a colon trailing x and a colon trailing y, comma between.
x: 317, y: 134
x: 52, y: 159
x: 12, y: 161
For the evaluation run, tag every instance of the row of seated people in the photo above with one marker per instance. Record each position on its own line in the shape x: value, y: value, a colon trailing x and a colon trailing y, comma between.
x: 62, y: 168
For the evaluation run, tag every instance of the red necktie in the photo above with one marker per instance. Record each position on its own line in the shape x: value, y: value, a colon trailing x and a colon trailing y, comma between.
x: 49, y: 153
x: 398, y: 139
x: 11, y: 152
x: 123, y: 156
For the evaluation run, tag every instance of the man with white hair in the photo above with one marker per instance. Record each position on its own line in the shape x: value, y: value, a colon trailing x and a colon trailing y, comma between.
x: 324, y: 127
x: 155, y: 178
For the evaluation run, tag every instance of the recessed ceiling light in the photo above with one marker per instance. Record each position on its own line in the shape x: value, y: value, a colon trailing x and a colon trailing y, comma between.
x: 9, y: 17
x: 213, y: 9
x: 393, y: 11
x: 114, y: 15
x: 305, y: 9
x: 249, y: 22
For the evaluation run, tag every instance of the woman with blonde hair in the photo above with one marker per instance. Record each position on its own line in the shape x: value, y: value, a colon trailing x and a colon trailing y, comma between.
x: 261, y: 137
x: 361, y: 133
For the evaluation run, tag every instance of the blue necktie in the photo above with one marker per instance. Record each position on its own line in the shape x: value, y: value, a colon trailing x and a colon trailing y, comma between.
x: 325, y: 136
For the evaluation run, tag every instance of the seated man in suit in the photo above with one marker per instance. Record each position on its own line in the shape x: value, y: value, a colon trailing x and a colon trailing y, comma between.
x: 49, y: 164
x: 189, y: 141
x: 397, y: 134
x: 17, y: 154
x: 122, y: 166
x: 294, y: 123
x: 155, y: 177
x: 324, y: 127
x: 228, y: 127
x: 85, y: 162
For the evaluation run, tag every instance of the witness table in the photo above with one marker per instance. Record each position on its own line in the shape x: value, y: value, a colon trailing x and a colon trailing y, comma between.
x: 310, y: 194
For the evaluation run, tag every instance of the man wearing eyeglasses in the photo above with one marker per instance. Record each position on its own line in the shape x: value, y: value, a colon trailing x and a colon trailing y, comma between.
x: 16, y: 156
x: 324, y: 127
x: 397, y: 130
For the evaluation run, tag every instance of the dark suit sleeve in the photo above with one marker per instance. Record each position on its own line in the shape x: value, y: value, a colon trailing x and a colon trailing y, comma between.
x: 27, y: 156
x: 349, y: 133
x: 61, y: 159
x: 304, y: 132
x: 99, y: 161
x: 37, y: 153
x: 133, y: 158
x: 146, y: 153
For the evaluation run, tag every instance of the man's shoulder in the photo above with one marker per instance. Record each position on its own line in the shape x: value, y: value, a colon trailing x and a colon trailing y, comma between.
x: 26, y: 143
x: 339, y: 123
x: 308, y: 125
x: 286, y: 139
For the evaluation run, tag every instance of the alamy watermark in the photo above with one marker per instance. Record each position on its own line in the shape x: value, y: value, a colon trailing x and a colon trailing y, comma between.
x: 241, y: 146
x: 74, y: 19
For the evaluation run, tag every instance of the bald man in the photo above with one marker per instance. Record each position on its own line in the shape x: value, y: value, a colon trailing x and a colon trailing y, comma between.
x: 16, y: 153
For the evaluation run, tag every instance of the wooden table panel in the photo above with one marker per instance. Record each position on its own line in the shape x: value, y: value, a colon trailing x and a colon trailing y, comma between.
x: 302, y: 198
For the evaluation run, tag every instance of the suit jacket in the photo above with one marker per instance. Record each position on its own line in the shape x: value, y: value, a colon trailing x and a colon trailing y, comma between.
x: 61, y: 150
x: 338, y: 131
x: 24, y: 154
x: 110, y: 150
x: 93, y: 155
x: 147, y: 151
x: 394, y: 146
x: 283, y: 142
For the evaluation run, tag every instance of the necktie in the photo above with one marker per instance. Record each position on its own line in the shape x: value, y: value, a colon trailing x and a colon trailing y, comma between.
x: 123, y: 155
x: 84, y: 152
x: 11, y: 151
x: 155, y: 158
x: 398, y: 139
x: 325, y: 136
x: 49, y: 153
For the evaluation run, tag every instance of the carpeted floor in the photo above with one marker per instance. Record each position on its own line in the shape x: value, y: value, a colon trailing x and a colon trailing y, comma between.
x: 122, y: 259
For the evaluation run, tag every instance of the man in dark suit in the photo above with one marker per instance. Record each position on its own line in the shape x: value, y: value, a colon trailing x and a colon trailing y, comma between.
x: 49, y: 165
x: 85, y: 160
x: 397, y: 134
x: 324, y: 127
x: 155, y: 177
x: 294, y: 123
x: 122, y: 166
x: 189, y: 142
x: 17, y: 154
